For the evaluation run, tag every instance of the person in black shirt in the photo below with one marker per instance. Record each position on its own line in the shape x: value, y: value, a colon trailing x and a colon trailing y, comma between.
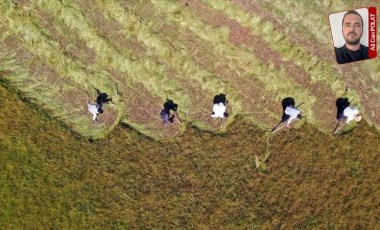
x: 165, y: 113
x: 352, y: 30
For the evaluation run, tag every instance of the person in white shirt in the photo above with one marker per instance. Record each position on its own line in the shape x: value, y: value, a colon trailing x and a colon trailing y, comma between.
x: 351, y: 113
x: 94, y: 110
x: 292, y: 113
x: 219, y: 109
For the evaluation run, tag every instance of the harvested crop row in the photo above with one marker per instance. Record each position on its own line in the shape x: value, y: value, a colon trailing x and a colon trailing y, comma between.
x: 141, y: 105
x: 278, y: 42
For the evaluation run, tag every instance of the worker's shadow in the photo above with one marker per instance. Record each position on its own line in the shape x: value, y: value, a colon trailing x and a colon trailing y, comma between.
x: 341, y: 104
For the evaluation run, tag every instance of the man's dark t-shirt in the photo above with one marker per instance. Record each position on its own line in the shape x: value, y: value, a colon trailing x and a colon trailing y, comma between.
x: 344, y: 55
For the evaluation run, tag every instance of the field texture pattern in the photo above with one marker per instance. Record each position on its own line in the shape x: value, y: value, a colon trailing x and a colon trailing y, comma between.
x: 61, y: 170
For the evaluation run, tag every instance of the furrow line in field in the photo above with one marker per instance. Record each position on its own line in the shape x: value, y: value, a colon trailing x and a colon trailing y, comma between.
x: 251, y: 66
x: 318, y: 70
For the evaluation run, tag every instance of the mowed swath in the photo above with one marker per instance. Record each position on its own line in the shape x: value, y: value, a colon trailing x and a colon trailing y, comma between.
x: 171, y: 47
x: 183, y: 40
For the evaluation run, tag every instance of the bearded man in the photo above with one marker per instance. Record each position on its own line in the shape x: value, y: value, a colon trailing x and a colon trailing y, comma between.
x: 352, y: 30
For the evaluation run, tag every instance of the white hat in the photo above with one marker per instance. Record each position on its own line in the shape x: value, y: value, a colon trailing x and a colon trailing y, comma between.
x: 358, y: 117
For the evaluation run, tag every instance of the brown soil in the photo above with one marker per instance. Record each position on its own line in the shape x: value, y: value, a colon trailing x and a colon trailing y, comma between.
x: 111, y: 30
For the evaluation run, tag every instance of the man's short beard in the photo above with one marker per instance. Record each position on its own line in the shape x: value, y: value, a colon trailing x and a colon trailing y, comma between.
x: 353, y: 42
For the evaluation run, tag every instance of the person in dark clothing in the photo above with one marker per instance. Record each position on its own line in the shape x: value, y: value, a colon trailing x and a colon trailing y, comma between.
x: 352, y: 31
x: 165, y: 113
x: 345, y: 55
x: 102, y: 98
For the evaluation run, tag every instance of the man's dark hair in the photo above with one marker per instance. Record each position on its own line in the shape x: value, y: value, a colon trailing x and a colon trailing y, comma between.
x: 170, y: 105
x: 352, y: 12
x: 221, y: 98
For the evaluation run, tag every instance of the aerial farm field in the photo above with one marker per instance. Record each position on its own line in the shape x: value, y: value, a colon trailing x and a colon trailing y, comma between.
x: 61, y: 170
